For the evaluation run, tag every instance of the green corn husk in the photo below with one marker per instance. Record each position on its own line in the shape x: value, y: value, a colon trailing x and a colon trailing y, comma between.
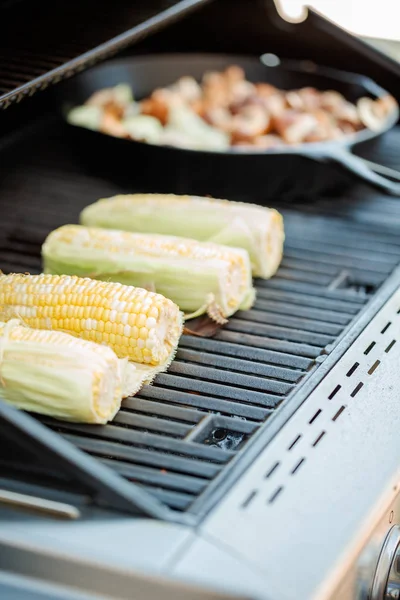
x: 56, y: 374
x: 257, y: 229
x: 198, y: 277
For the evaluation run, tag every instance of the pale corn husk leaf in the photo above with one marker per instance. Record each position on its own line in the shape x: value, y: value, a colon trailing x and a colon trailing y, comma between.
x: 63, y: 377
x: 256, y: 229
x: 186, y: 271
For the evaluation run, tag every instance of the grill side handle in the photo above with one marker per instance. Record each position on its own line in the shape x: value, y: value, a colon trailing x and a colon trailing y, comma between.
x: 106, y: 488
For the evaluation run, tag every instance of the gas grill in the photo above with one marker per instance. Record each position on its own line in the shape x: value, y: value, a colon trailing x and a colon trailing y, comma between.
x: 264, y: 463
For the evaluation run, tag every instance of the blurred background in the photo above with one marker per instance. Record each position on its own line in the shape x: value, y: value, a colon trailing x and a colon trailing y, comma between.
x: 377, y: 21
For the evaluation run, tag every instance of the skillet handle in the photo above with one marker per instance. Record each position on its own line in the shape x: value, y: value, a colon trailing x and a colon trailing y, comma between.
x: 376, y: 175
x: 387, y: 171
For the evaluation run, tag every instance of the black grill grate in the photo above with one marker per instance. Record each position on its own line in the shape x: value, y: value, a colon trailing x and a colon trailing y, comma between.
x: 56, y: 40
x: 177, y: 435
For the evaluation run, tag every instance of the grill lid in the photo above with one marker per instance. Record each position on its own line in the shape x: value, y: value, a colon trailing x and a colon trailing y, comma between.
x: 64, y: 40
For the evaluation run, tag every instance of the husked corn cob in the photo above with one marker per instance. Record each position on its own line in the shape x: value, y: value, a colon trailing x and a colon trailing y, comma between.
x: 137, y: 324
x: 198, y: 276
x: 257, y: 229
x: 53, y: 373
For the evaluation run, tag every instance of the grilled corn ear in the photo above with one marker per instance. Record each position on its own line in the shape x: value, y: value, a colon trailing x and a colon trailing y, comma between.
x: 257, y: 229
x: 55, y: 374
x: 137, y: 324
x: 197, y: 276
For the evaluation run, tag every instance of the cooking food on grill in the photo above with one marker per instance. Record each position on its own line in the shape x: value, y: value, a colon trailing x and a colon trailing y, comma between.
x: 226, y: 111
x: 257, y: 229
x: 137, y: 324
x: 55, y: 374
x: 199, y: 277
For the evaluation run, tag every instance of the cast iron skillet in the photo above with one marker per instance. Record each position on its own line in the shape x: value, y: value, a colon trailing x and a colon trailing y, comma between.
x: 237, y: 175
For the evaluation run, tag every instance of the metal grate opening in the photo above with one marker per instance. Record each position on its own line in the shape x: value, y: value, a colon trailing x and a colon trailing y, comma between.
x: 178, y: 435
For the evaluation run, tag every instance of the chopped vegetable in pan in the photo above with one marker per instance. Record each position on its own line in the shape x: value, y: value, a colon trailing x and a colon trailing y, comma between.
x: 226, y: 111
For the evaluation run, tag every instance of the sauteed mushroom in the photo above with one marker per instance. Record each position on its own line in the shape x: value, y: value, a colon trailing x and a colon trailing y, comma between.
x: 225, y: 110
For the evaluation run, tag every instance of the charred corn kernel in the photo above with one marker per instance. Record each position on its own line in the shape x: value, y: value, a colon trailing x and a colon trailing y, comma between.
x: 257, y: 229
x: 53, y: 373
x: 195, y: 275
x: 20, y: 297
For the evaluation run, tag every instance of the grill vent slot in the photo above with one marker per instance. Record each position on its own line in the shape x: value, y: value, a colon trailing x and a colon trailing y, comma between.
x: 392, y: 343
x: 319, y: 438
x: 339, y: 412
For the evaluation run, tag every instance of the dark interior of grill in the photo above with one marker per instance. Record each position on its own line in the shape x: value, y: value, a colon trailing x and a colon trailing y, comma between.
x: 178, y: 437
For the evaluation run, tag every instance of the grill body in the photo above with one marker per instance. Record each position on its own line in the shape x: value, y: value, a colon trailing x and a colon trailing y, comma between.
x: 248, y: 451
x: 179, y: 437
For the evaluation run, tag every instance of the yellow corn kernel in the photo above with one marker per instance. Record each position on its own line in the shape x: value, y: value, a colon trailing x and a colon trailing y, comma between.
x: 23, y: 295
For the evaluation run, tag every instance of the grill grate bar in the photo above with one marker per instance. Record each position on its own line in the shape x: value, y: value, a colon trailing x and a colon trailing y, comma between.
x: 305, y: 252
x: 249, y: 352
x: 279, y: 333
x: 330, y: 305
x: 301, y: 311
x: 18, y: 68
x: 159, y: 477
x: 237, y: 364
x: 304, y: 276
x: 146, y: 440
x: 277, y: 345
x: 379, y: 214
x: 14, y: 258
x: 216, y: 389
x: 348, y: 241
x: 227, y: 377
x: 140, y: 456
x: 18, y: 267
x: 337, y: 299
x: 312, y: 265
x: 280, y: 320
x: 302, y: 288
x: 156, y: 409
x: 189, y: 398
x: 144, y: 423
x: 341, y: 222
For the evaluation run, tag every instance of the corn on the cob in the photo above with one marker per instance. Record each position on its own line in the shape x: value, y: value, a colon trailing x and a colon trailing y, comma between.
x: 257, y: 229
x: 53, y: 373
x: 198, y: 276
x: 137, y: 324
